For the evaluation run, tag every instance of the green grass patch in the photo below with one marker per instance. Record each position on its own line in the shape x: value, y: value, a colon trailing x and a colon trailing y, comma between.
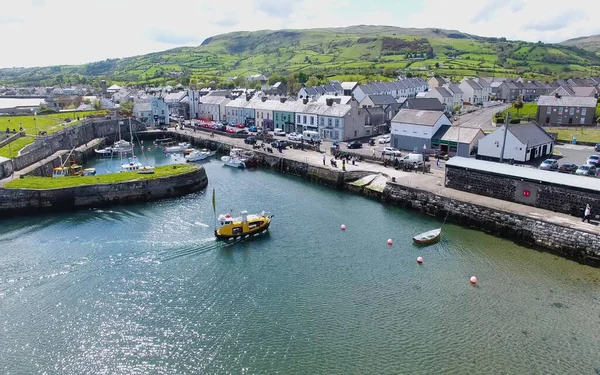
x: 49, y: 123
x: 529, y: 110
x: 34, y: 182
x: 566, y: 135
x: 11, y: 150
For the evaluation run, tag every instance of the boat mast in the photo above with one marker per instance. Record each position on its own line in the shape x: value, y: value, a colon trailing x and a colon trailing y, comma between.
x: 131, y: 139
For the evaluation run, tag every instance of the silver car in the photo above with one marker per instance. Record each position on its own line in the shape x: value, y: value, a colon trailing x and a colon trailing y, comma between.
x: 549, y: 165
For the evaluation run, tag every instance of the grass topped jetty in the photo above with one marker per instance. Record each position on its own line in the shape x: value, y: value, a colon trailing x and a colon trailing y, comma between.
x: 34, y: 182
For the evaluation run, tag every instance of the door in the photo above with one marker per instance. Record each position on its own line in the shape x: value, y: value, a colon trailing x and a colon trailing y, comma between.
x: 544, y: 150
x: 532, y: 154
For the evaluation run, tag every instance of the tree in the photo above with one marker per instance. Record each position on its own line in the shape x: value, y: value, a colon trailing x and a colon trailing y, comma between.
x: 388, y: 71
x: 456, y: 108
x: 437, y: 65
x: 277, y: 78
x: 517, y: 104
x: 312, y: 81
x: 301, y: 77
x: 293, y: 85
x: 238, y: 81
x: 97, y: 105
x: 126, y: 109
x: 409, y: 75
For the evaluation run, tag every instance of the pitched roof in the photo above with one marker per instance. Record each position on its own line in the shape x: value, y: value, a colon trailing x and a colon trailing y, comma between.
x: 567, y: 101
x: 382, y: 99
x: 443, y: 92
x: 349, y: 85
x: 428, y: 104
x: 474, y: 85
x: 417, y: 117
x: 212, y: 99
x: 466, y: 134
x: 142, y: 106
x: 530, y: 134
x: 584, y: 91
x: 454, y: 88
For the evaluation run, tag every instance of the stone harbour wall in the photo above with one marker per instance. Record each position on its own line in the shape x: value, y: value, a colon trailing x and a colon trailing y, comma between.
x: 555, y: 198
x: 28, y: 201
x: 567, y: 242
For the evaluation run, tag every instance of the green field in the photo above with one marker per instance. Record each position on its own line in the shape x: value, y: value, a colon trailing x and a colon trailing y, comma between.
x: 326, y: 53
x: 11, y: 150
x: 33, y: 182
x: 50, y: 123
x: 582, y: 134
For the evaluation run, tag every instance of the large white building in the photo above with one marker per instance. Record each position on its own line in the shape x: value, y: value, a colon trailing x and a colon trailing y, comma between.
x: 212, y: 108
x: 413, y: 129
x: 524, y: 142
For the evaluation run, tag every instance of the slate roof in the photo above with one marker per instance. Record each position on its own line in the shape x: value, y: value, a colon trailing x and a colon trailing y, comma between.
x: 530, y: 134
x: 473, y: 84
x: 567, y: 101
x: 382, y: 99
x: 455, y: 89
x: 212, y: 99
x: 417, y: 117
x: 584, y: 91
x: 443, y: 92
x: 441, y: 131
x: 142, y: 107
x: 428, y: 104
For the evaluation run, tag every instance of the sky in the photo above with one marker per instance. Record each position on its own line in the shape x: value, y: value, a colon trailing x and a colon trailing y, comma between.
x: 56, y: 32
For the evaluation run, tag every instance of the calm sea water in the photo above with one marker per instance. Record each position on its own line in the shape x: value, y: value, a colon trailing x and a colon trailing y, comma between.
x: 146, y: 289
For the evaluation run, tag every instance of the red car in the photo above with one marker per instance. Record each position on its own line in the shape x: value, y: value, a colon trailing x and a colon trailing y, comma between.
x: 241, y: 126
x: 229, y: 130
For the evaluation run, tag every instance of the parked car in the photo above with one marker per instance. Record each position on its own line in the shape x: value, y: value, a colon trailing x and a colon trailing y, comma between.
x: 354, y: 144
x: 243, y: 132
x: 567, y: 168
x: 230, y: 130
x: 549, y: 165
x: 221, y: 127
x: 391, y: 151
x: 587, y: 170
x: 279, y: 132
x: 252, y: 129
x: 593, y: 160
x: 241, y: 126
x: 278, y: 143
x: 294, y: 137
x: 597, y: 147
x: 385, y: 139
x: 250, y: 140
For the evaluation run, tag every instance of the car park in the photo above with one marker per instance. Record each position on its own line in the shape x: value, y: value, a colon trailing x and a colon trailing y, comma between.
x: 593, y: 160
x: 354, y: 144
x: 567, y: 168
x: 391, y: 151
x: 586, y: 170
x: 549, y: 165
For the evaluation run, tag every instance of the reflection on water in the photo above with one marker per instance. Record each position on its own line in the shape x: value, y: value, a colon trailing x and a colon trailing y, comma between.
x: 147, y: 289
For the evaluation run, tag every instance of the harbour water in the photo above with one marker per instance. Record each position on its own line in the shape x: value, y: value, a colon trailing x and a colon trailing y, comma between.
x: 146, y: 289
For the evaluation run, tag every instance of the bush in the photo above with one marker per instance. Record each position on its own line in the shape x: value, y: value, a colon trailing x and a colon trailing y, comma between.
x: 515, y: 120
x: 500, y: 120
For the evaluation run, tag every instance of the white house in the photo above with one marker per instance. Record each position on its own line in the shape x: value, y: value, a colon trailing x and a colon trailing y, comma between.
x: 457, y: 94
x: 263, y: 112
x: 524, y: 142
x: 307, y: 117
x: 443, y: 95
x: 412, y: 128
x: 153, y: 112
x: 474, y: 92
x: 402, y: 88
x: 212, y: 108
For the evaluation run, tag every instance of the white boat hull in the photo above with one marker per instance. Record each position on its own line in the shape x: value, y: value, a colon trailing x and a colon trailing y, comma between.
x: 233, y: 162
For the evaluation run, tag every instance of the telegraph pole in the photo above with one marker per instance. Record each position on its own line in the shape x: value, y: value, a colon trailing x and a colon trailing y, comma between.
x: 504, y: 141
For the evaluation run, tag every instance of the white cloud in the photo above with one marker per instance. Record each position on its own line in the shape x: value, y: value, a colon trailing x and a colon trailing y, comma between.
x: 48, y: 32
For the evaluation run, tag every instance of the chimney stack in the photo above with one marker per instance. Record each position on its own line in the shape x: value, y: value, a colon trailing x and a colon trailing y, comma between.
x: 329, y: 102
x: 247, y: 98
x: 264, y: 99
x: 305, y: 101
x: 282, y: 99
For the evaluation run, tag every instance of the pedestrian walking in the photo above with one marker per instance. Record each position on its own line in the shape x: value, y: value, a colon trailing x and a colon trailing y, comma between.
x: 437, y: 161
x: 587, y: 214
x: 323, y: 159
x: 373, y: 152
x: 343, y: 164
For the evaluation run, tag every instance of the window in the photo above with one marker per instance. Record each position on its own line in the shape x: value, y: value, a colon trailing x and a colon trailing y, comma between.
x: 582, y: 120
x: 312, y: 120
x: 304, y: 120
x: 298, y: 119
x: 337, y: 122
x: 571, y: 111
x: 583, y: 112
x: 329, y: 122
x: 560, y: 110
x: 548, y: 110
x: 277, y: 116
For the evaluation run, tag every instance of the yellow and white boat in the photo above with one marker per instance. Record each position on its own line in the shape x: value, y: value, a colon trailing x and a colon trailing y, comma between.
x: 246, y: 225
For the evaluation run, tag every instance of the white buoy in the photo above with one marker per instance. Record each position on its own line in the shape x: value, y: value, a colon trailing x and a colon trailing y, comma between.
x: 473, y: 280
x: 343, y: 227
x: 390, y: 242
x: 419, y: 260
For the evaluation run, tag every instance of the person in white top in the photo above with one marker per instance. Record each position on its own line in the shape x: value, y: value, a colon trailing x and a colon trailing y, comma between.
x: 587, y: 214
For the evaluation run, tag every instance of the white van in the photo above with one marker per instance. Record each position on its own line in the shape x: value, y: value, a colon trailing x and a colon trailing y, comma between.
x: 279, y: 131
x: 413, y: 159
x: 311, y: 136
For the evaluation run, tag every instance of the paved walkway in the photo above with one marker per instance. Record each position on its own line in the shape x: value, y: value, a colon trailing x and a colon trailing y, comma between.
x: 432, y: 182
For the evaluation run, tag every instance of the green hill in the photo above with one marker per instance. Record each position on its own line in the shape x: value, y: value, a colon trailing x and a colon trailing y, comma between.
x: 589, y: 43
x: 350, y: 53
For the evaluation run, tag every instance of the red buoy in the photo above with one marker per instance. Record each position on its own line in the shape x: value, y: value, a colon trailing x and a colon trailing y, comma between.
x: 343, y: 227
x: 390, y: 242
x: 473, y: 280
x: 419, y: 260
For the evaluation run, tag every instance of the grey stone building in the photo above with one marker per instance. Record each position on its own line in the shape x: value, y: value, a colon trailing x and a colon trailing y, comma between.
x: 566, y: 110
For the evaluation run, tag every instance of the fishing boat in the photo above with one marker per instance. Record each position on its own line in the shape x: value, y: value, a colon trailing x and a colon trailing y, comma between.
x: 122, y: 146
x: 134, y: 164
x: 244, y: 226
x: 146, y: 169
x: 180, y: 147
x: 428, y: 238
x: 89, y: 172
x: 199, y: 155
x: 235, y: 159
x: 72, y: 169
